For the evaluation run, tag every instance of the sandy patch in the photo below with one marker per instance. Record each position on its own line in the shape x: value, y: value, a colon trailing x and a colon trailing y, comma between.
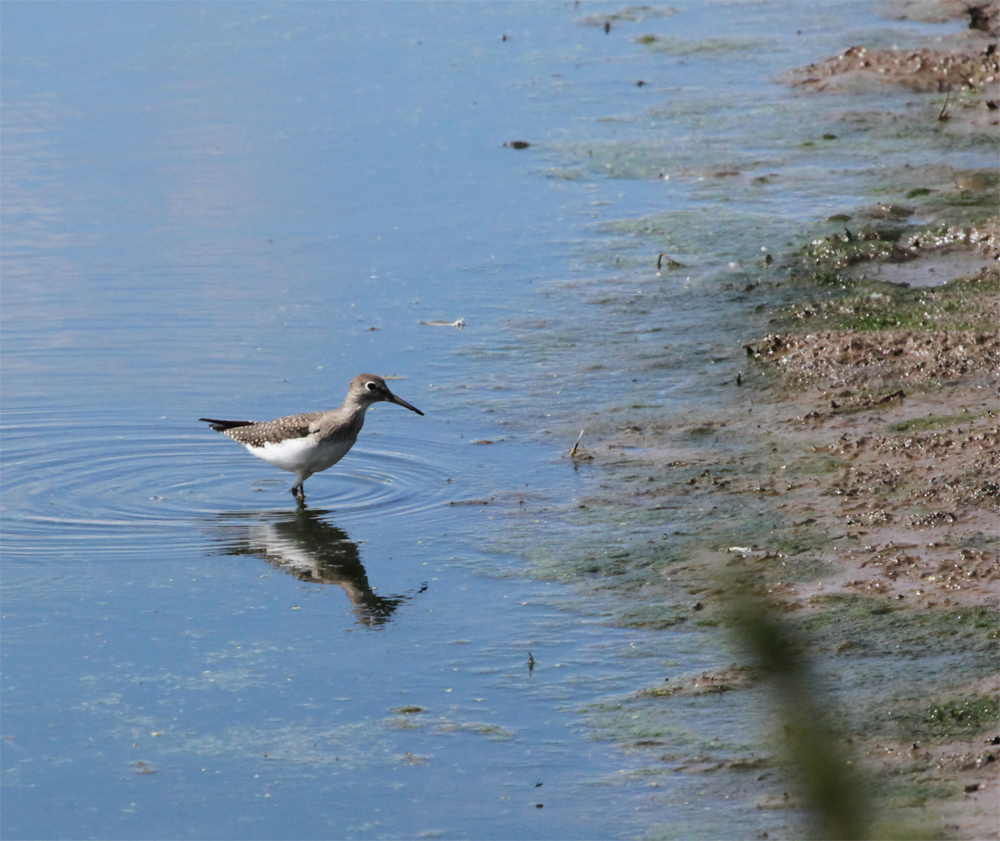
x: 859, y: 69
x: 848, y: 359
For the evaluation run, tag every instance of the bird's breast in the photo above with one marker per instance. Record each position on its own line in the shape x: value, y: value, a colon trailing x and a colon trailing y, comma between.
x: 297, y: 455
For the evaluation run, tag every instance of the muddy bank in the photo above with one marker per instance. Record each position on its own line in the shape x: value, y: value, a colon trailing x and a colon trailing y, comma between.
x: 923, y: 70
x: 852, y: 479
x: 972, y: 66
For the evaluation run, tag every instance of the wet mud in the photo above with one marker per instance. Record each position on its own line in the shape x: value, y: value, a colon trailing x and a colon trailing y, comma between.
x: 921, y: 70
x: 854, y: 482
x: 850, y: 478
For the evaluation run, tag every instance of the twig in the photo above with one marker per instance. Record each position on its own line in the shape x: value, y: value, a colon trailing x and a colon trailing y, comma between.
x: 944, y: 108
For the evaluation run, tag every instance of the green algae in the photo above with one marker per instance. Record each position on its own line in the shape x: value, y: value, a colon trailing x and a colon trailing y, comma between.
x: 654, y: 617
x: 840, y: 251
x: 648, y: 719
x: 706, y: 46
x: 491, y: 731
x: 960, y: 716
x: 630, y: 14
x: 876, y: 305
x: 933, y: 422
x: 859, y: 628
x: 943, y: 195
x: 933, y: 717
x: 951, y: 208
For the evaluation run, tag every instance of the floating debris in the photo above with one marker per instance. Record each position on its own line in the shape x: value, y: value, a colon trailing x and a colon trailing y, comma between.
x: 517, y: 144
x: 670, y: 262
x: 407, y: 710
x: 576, y: 452
x: 458, y: 325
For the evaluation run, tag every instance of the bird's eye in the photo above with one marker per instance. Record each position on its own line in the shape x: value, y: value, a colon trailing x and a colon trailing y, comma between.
x: 371, y: 386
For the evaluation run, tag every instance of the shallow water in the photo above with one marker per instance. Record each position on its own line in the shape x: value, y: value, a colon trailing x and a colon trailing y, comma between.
x: 228, y: 210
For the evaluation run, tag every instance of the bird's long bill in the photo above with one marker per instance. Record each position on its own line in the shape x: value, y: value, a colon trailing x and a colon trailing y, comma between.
x: 399, y: 401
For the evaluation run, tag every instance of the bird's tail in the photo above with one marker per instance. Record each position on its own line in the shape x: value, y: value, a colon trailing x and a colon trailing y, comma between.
x: 223, y: 425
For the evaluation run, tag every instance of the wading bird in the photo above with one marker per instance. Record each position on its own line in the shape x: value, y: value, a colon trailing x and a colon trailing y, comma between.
x: 306, y: 444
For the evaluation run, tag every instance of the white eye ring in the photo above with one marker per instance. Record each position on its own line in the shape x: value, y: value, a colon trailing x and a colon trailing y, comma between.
x: 371, y: 386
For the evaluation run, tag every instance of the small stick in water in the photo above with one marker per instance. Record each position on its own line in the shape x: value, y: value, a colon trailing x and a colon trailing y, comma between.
x: 572, y: 453
x: 943, y: 116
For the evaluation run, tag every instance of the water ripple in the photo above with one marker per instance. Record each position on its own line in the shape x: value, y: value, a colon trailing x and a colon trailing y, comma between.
x: 98, y: 482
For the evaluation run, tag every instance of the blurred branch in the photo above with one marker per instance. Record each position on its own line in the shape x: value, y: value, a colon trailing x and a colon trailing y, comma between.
x: 828, y: 783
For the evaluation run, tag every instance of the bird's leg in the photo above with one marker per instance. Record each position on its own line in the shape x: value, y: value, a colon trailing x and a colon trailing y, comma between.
x: 299, y: 487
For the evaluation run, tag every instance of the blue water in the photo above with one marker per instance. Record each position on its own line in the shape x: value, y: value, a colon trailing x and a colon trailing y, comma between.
x: 229, y: 210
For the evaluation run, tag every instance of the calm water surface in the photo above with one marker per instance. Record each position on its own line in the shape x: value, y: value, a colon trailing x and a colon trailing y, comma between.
x: 230, y: 209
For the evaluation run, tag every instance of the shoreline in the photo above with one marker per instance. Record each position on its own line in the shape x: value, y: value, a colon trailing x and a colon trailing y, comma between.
x: 851, y: 479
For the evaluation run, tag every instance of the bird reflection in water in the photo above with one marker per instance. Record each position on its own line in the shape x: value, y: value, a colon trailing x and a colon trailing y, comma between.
x: 302, y: 544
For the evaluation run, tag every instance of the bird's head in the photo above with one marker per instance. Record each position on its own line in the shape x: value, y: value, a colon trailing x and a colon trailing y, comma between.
x: 371, y: 388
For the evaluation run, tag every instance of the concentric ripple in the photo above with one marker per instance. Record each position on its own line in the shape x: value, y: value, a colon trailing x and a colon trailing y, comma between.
x: 100, y: 483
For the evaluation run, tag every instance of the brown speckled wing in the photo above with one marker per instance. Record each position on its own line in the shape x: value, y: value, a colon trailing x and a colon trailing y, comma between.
x: 271, y: 432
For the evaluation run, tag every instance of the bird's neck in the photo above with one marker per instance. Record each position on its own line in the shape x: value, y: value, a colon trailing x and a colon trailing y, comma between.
x: 354, y: 406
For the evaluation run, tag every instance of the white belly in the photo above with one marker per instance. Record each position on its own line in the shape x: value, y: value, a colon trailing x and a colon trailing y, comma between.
x: 303, y: 455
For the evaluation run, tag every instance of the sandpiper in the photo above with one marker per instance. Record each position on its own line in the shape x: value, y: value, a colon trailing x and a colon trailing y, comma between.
x: 306, y: 444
